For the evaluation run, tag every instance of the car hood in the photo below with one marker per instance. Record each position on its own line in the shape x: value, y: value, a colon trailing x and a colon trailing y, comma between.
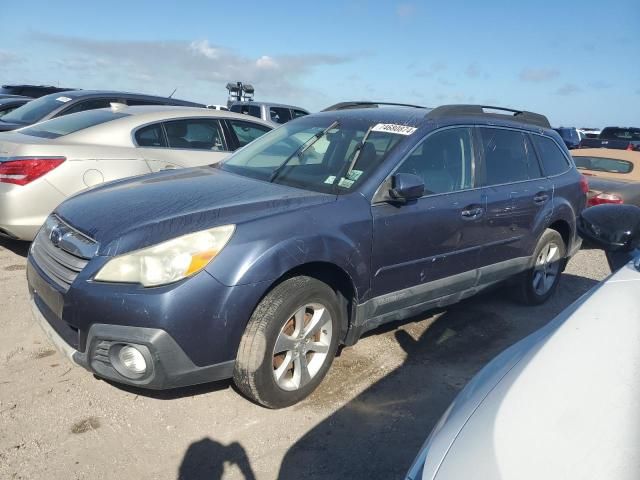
x: 130, y: 214
x: 570, y: 407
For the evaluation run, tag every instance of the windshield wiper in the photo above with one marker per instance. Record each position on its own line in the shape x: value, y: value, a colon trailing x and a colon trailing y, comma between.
x: 303, y: 148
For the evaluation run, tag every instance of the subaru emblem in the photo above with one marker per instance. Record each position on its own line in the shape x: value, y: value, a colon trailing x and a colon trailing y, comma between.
x: 55, y: 236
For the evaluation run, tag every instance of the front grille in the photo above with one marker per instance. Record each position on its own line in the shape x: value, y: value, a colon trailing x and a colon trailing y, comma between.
x: 61, y: 252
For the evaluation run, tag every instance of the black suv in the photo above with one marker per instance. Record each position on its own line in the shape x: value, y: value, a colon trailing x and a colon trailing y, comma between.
x: 64, y: 103
x: 259, y: 267
x: 33, y: 91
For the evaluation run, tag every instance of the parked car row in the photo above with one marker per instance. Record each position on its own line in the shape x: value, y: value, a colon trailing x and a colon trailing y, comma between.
x: 45, y: 163
x: 308, y: 237
x: 623, y: 138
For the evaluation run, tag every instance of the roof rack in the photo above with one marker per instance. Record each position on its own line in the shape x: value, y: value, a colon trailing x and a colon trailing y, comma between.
x: 517, y: 115
x: 366, y: 104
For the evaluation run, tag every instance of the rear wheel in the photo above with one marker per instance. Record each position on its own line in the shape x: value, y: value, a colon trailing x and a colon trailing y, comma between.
x: 540, y: 281
x: 289, y: 343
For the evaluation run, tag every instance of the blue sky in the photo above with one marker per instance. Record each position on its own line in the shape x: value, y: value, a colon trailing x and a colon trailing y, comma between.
x: 574, y: 61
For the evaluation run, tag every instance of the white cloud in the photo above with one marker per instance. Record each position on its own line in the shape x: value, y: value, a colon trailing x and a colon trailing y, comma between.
x: 203, y: 47
x: 266, y: 61
x: 538, y: 74
x: 196, y: 67
x: 568, y: 89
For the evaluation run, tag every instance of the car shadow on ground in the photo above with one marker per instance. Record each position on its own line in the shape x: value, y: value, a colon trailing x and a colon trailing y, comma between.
x: 16, y: 246
x: 174, y: 393
x: 206, y: 460
x: 379, y: 432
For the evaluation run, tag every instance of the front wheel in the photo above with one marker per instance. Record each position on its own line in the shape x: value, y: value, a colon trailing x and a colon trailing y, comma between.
x: 289, y: 343
x: 540, y: 281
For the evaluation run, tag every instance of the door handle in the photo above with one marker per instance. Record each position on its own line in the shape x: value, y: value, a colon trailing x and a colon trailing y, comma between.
x: 470, y: 213
x: 540, y: 198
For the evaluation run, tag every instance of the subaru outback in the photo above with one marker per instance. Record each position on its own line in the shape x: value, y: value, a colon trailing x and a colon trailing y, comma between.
x: 260, y: 267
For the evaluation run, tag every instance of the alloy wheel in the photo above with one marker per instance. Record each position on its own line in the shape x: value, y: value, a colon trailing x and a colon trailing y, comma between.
x: 302, y: 346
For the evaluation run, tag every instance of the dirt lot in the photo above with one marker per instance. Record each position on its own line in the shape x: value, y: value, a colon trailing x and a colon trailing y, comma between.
x: 367, y: 419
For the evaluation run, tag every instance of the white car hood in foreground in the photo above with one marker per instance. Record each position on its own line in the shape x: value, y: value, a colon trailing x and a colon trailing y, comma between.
x: 568, y: 409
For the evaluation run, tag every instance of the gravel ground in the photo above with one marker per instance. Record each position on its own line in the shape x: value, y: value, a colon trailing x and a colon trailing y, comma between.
x: 367, y: 419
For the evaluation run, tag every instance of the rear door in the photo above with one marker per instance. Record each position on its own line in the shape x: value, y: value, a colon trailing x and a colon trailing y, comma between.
x: 516, y: 195
x: 430, y: 245
x: 182, y: 143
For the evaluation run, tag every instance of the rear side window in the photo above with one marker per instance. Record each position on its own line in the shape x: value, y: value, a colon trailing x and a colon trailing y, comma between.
x: 508, y: 157
x: 151, y: 136
x: 553, y: 160
x: 247, y: 132
x: 279, y: 114
x: 443, y: 160
x: 253, y: 110
x: 88, y: 105
x: 196, y: 133
x: 299, y: 113
x: 61, y: 126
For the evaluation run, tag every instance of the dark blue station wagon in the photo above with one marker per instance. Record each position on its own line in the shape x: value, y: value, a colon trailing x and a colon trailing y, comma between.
x: 258, y: 268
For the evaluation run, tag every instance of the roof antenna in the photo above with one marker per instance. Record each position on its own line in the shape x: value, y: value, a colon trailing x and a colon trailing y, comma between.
x: 174, y: 91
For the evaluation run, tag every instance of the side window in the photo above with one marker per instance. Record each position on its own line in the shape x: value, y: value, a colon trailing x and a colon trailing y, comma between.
x: 508, y: 157
x: 299, y: 113
x: 247, y: 132
x: 253, y: 110
x: 196, y: 133
x: 88, y: 105
x: 150, y: 136
x: 443, y: 160
x: 553, y: 160
x: 279, y: 114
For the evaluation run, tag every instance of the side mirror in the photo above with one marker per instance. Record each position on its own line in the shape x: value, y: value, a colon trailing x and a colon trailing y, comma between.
x: 406, y: 186
x: 613, y: 228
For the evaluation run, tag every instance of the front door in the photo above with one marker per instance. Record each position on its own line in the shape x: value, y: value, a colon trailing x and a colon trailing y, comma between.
x: 429, y: 248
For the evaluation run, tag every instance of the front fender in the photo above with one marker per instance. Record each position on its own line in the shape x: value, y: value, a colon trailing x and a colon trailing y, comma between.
x: 265, y: 249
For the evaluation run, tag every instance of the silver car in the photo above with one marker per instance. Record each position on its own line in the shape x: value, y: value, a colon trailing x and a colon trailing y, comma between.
x: 43, y: 164
x: 564, y: 403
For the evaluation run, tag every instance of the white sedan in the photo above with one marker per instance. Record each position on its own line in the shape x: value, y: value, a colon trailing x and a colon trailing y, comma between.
x: 564, y: 403
x: 43, y: 164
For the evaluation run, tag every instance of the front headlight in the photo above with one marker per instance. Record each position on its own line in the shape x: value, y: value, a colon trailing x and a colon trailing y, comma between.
x: 168, y: 261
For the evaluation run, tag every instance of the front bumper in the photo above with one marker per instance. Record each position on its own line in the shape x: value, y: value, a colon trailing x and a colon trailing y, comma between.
x: 168, y: 365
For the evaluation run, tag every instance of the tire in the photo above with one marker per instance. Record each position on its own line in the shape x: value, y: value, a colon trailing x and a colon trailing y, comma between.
x: 539, y: 282
x: 282, y: 357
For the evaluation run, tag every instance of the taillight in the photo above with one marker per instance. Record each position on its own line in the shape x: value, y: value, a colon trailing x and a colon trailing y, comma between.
x: 584, y: 184
x: 23, y: 170
x: 630, y: 147
x: 605, y: 198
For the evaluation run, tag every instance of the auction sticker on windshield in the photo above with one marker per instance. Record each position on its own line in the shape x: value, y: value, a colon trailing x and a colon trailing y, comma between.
x: 393, y: 128
x: 63, y: 99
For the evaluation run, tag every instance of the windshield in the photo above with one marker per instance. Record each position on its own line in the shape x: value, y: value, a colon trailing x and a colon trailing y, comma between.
x: 67, y: 124
x: 308, y: 154
x: 598, y: 164
x: 36, y: 109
